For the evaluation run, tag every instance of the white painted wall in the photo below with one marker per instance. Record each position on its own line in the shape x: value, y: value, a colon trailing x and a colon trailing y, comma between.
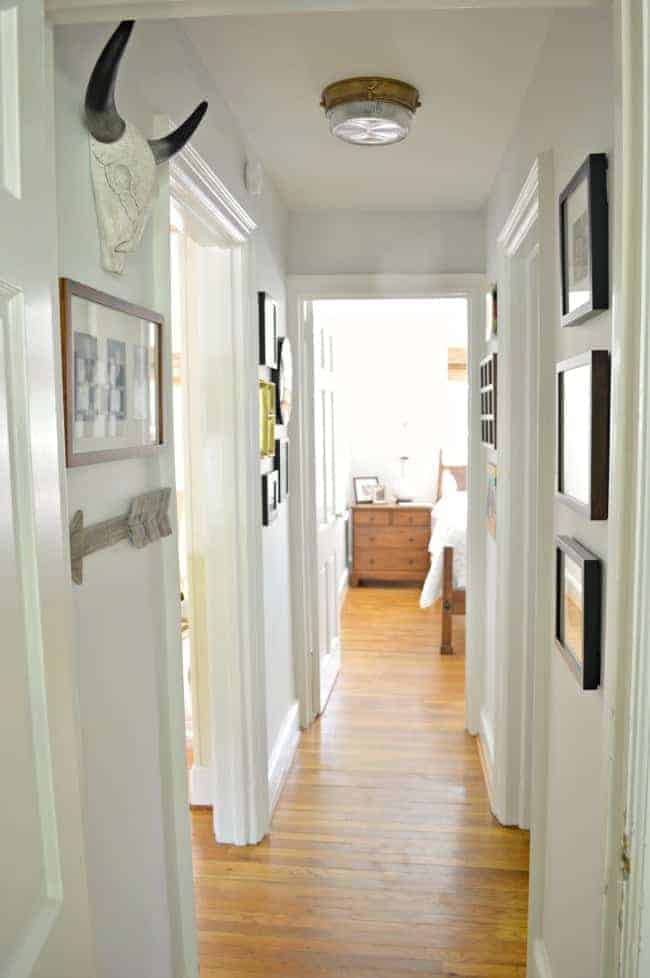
x: 372, y: 242
x: 569, y: 109
x: 119, y: 609
x: 392, y: 369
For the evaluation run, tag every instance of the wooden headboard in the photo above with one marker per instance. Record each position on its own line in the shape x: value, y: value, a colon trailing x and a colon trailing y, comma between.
x: 459, y: 473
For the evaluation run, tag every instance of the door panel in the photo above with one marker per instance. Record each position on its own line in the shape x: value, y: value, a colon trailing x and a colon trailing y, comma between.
x: 329, y: 651
x: 28, y: 824
x: 44, y: 920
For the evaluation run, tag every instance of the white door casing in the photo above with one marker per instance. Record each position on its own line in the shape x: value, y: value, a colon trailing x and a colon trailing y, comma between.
x: 302, y: 292
x: 521, y: 734
x: 325, y: 431
x: 45, y: 928
x: 232, y: 526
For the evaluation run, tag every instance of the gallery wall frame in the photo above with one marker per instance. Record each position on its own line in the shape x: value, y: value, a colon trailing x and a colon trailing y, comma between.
x: 281, y: 466
x: 583, y: 402
x: 112, y: 384
x: 283, y: 379
x: 267, y: 395
x: 488, y: 390
x: 491, y: 312
x: 270, y: 497
x: 268, y: 330
x: 578, y: 610
x: 584, y: 242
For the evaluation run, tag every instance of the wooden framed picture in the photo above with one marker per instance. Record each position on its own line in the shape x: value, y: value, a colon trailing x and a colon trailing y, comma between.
x: 112, y: 376
x: 283, y: 378
x: 584, y: 242
x: 270, y: 497
x: 268, y: 330
x: 491, y: 313
x: 266, y: 397
x: 578, y: 610
x: 364, y: 488
x: 281, y: 466
x: 488, y: 391
x: 583, y: 384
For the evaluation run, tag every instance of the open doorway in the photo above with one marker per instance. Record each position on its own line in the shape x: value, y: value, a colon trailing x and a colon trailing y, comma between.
x: 390, y: 456
x: 402, y: 430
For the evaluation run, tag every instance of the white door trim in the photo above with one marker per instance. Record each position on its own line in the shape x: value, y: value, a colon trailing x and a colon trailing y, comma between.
x: 626, y: 933
x: 238, y: 673
x: 302, y: 289
x: 516, y: 803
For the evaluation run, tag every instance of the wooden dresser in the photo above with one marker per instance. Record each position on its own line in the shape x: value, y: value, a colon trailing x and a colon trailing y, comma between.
x: 390, y: 542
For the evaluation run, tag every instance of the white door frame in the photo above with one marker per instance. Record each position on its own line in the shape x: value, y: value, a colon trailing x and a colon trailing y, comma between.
x: 238, y: 673
x: 626, y: 922
x: 519, y: 791
x: 303, y: 289
x: 514, y: 729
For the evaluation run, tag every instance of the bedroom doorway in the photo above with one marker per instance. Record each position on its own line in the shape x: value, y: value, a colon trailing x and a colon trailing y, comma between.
x: 385, y: 434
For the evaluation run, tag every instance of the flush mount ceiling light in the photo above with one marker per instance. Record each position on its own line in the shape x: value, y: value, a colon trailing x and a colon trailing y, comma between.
x: 370, y: 111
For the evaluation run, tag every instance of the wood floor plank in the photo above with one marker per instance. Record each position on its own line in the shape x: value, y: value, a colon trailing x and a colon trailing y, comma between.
x: 383, y: 859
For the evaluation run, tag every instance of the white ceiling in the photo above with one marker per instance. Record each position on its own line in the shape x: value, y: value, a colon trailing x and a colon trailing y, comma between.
x: 472, y: 68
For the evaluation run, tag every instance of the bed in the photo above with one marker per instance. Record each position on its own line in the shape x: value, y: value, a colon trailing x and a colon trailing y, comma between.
x: 447, y: 547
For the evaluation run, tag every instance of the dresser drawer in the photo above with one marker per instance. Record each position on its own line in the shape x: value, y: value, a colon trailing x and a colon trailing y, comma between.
x: 412, y: 517
x: 371, y: 517
x: 406, y: 538
x: 387, y: 559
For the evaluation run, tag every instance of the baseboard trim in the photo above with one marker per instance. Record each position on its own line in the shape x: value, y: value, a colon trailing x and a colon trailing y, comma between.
x: 282, y: 754
x: 485, y: 743
x: 541, y: 960
x: 201, y: 783
x: 344, y: 581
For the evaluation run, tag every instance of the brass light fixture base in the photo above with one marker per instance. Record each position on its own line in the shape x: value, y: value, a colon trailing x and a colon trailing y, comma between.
x: 370, y: 88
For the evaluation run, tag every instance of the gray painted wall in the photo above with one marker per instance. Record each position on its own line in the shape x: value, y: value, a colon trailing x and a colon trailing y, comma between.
x: 119, y: 609
x: 569, y: 109
x: 372, y: 242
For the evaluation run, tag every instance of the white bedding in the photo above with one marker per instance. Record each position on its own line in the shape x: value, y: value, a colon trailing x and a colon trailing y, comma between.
x: 449, y: 530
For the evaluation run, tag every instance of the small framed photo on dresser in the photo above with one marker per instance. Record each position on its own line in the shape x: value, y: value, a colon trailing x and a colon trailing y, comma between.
x: 584, y: 242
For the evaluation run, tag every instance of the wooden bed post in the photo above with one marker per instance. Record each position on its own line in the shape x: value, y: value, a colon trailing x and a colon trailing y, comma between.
x: 446, y: 647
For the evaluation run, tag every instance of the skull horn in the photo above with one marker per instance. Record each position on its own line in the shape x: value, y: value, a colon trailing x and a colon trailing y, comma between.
x: 104, y: 121
x: 163, y: 149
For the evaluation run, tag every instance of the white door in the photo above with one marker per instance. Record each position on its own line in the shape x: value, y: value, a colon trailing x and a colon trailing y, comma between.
x: 44, y: 918
x: 329, y: 640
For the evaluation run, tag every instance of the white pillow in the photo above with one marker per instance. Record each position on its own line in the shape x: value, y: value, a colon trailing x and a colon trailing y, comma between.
x: 449, y: 484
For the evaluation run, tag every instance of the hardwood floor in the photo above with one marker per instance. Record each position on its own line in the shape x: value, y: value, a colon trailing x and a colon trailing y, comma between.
x: 383, y: 859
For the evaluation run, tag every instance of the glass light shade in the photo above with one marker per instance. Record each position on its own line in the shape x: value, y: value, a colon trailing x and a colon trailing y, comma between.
x: 370, y: 123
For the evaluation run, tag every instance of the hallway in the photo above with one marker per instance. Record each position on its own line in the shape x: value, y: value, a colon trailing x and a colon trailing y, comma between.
x: 383, y: 859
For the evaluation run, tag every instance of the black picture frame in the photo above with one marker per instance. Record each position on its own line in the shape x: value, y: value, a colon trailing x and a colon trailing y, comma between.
x: 270, y: 497
x: 488, y: 393
x: 282, y: 377
x: 594, y: 238
x: 268, y: 330
x: 358, y: 482
x: 281, y: 466
x: 587, y: 666
x: 597, y: 505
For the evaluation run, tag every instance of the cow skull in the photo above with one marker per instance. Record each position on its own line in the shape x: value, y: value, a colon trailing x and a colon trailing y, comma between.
x: 123, y: 163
